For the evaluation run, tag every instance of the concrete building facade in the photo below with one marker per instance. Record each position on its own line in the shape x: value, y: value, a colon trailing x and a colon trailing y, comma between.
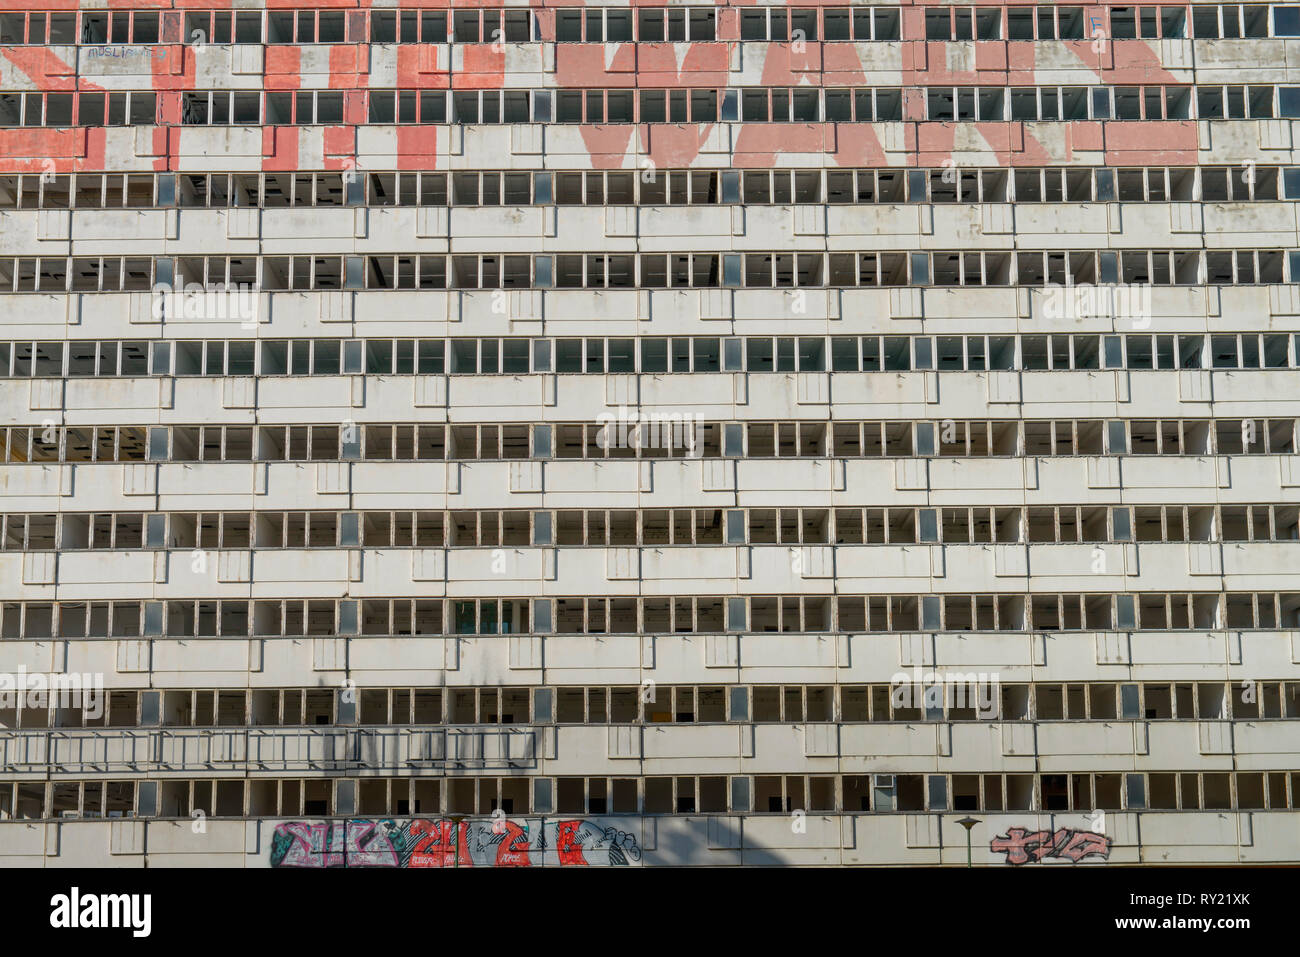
x: 545, y: 435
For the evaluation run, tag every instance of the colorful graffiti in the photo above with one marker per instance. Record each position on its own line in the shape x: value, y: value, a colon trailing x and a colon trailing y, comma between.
x: 1022, y: 846
x: 442, y: 842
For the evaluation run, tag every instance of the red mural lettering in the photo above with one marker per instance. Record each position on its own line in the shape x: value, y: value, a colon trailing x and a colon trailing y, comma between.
x: 513, y: 849
x: 567, y: 846
x: 437, y: 845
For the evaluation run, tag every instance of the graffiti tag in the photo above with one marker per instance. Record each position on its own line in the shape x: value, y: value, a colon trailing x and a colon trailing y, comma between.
x: 1022, y: 846
x: 442, y: 842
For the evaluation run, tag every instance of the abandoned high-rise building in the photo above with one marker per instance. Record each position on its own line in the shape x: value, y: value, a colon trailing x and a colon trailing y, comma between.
x: 461, y: 435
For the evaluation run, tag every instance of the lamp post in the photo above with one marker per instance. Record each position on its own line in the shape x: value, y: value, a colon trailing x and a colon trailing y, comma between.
x: 968, y: 823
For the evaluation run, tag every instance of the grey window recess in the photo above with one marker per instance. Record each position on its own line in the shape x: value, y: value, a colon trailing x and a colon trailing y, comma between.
x: 543, y: 191
x: 349, y: 529
x: 159, y: 444
x: 920, y: 269
x: 349, y: 623
x: 542, y: 795
x: 345, y: 797
x: 1128, y: 698
x: 541, y: 700
x: 733, y: 440
x: 1116, y: 438
x: 542, y: 534
x: 150, y: 711
x: 1135, y: 797
x: 541, y: 441
x: 1121, y: 523
x: 883, y: 794
x: 929, y: 527
x: 543, y: 616
x: 938, y: 792
x: 925, y: 438
x: 738, y: 702
x: 147, y: 794
x: 730, y: 106
x: 156, y: 531
x: 931, y: 612
x: 353, y: 356
x: 740, y: 790
x: 736, y: 614
x: 735, y: 528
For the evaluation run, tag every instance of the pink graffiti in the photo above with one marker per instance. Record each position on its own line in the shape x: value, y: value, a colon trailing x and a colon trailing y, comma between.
x: 330, y: 844
x: 1023, y: 846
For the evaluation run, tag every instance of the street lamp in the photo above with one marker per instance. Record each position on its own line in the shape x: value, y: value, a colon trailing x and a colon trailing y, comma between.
x: 968, y: 823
